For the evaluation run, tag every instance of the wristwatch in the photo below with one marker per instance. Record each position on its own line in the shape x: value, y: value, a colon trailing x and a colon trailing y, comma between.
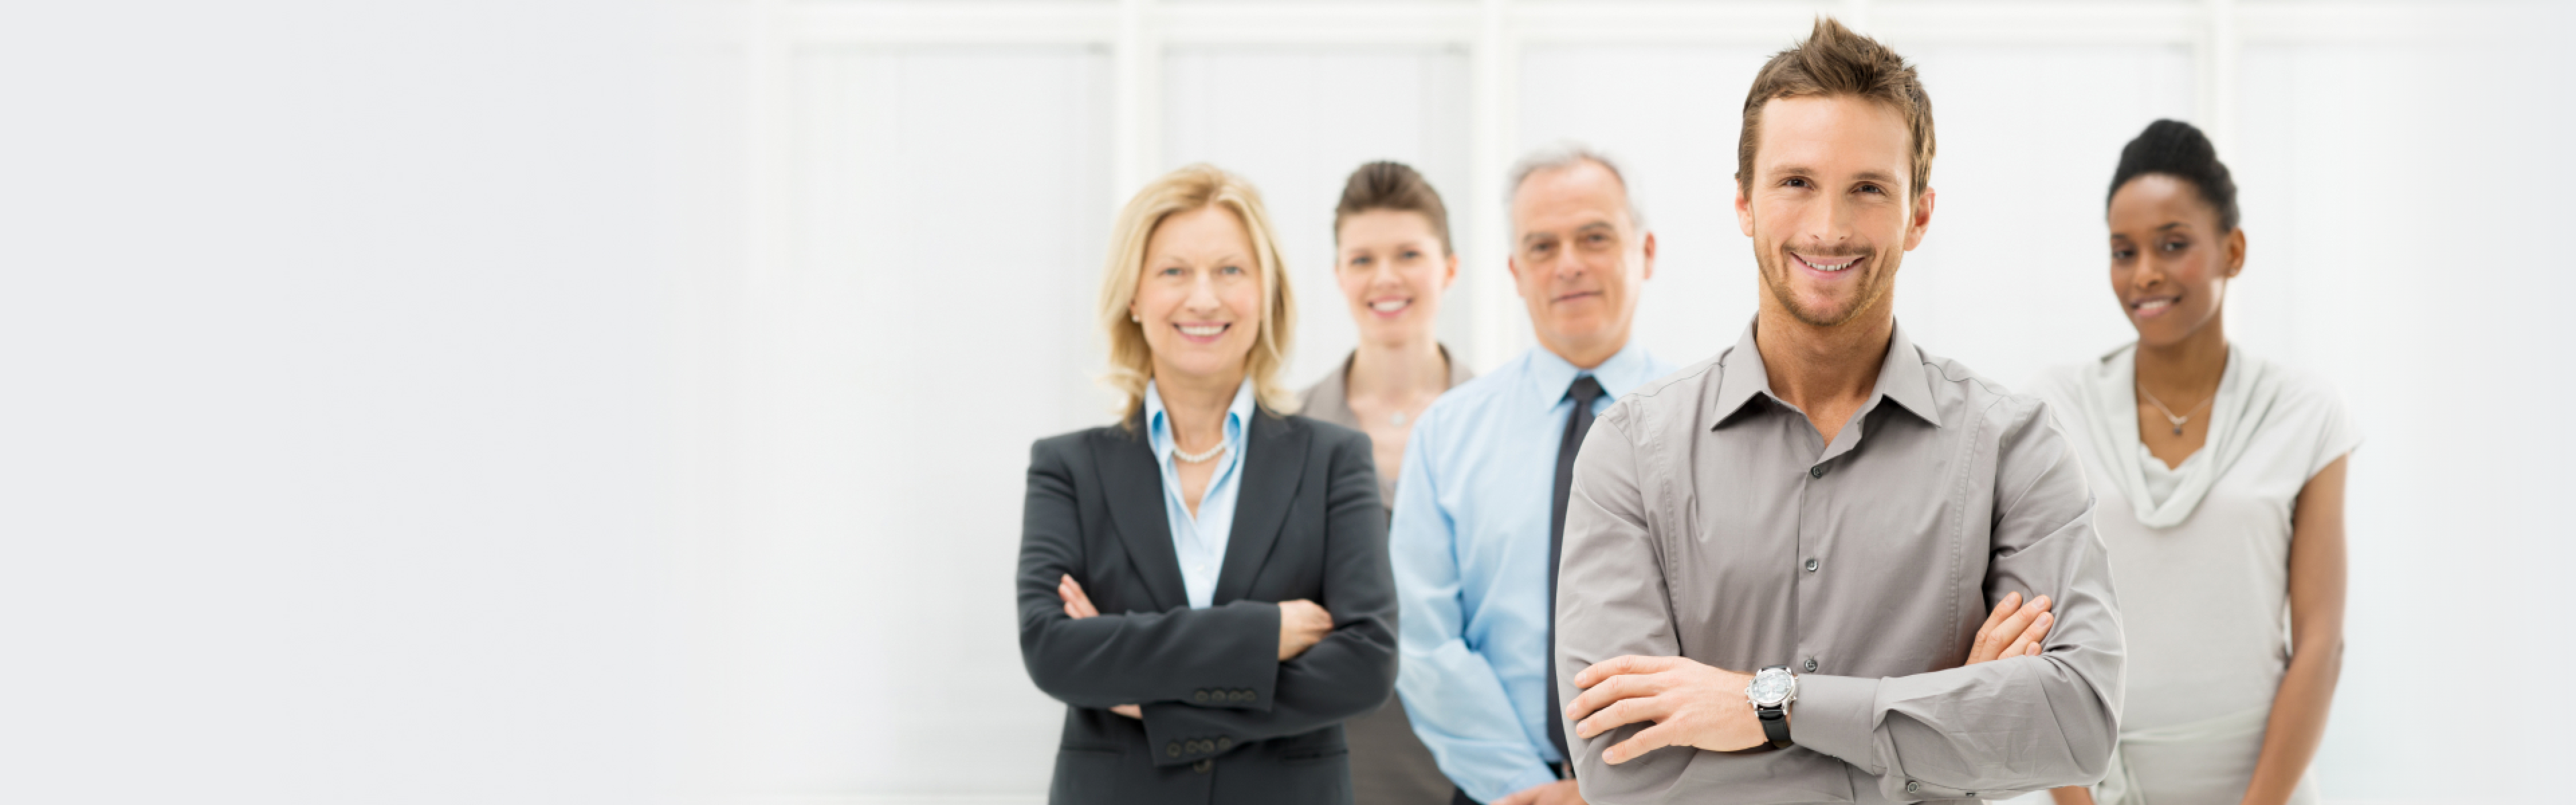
x: 1771, y: 692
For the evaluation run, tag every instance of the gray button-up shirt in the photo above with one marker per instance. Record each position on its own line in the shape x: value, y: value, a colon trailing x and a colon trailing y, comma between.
x: 1699, y: 503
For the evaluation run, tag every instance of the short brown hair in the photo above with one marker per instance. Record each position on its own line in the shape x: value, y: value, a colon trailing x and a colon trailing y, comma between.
x: 1836, y: 61
x: 1392, y: 186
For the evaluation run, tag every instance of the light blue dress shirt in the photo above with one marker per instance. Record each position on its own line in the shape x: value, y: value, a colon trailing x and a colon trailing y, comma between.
x: 1469, y: 545
x: 1199, y: 541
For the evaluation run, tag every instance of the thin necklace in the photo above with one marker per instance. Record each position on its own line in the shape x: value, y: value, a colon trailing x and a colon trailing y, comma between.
x: 2168, y: 412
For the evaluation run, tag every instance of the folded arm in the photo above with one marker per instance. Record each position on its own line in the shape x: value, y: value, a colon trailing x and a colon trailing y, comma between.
x: 1184, y: 655
x: 2019, y: 723
x: 1349, y: 672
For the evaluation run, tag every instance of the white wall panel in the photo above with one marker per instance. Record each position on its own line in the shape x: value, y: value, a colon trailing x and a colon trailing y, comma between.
x: 947, y: 208
x: 2014, y: 274
x: 1296, y: 122
x: 2378, y: 183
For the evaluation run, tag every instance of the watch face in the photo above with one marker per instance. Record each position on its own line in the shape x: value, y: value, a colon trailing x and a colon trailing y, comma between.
x: 1769, y: 689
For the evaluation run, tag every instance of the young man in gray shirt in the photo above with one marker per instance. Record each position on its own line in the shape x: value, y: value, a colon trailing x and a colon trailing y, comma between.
x: 1831, y: 506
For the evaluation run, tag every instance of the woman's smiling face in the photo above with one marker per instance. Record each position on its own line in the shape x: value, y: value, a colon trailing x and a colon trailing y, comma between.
x: 2169, y: 263
x: 1199, y: 299
x: 1392, y: 269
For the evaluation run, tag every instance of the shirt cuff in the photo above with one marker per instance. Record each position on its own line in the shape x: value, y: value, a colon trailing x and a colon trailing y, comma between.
x: 1838, y: 715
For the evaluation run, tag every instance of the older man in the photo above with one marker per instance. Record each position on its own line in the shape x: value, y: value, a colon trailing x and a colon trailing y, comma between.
x: 1835, y: 507
x: 1482, y: 500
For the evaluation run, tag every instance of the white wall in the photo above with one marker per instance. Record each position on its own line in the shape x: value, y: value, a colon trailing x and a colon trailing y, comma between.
x: 610, y: 402
x: 2350, y: 127
x: 336, y: 404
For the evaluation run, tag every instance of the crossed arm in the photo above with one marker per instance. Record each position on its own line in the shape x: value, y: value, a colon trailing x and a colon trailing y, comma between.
x: 1704, y: 707
x: 2010, y: 720
x: 1209, y: 679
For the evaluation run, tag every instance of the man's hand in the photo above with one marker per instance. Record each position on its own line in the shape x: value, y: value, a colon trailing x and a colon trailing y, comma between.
x: 1302, y: 624
x: 1129, y: 710
x: 1691, y: 704
x: 1561, y: 792
x: 2015, y: 629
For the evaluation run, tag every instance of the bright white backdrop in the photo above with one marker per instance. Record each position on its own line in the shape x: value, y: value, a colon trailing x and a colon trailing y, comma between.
x: 933, y: 182
x: 598, y: 401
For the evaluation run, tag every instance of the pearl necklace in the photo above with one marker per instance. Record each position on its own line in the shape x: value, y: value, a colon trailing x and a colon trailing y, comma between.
x: 1188, y: 457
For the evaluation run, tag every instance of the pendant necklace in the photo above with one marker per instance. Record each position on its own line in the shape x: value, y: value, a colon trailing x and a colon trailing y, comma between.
x: 2168, y: 412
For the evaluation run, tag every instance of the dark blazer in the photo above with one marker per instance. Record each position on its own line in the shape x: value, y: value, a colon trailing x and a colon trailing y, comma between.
x: 1224, y: 720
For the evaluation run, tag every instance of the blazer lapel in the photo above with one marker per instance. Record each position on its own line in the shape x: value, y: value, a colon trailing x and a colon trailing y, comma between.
x: 1134, y: 486
x: 1276, y: 459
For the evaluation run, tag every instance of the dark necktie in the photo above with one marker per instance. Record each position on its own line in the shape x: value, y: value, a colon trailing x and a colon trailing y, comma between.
x: 1577, y: 423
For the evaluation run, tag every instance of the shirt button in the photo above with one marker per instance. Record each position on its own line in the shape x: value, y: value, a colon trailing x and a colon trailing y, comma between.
x: 1817, y: 471
x: 1811, y: 565
x: 1913, y: 787
x: 1811, y: 665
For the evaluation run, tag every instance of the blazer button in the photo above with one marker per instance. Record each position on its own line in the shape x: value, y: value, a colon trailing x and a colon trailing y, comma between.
x: 1203, y: 766
x: 1200, y: 697
x: 1223, y: 744
x: 1172, y: 749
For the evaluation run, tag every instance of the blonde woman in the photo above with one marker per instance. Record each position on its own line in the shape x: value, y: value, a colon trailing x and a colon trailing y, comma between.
x: 1392, y: 260
x: 1204, y: 584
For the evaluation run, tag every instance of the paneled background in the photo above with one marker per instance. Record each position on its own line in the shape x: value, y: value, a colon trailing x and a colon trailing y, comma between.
x: 544, y: 401
x: 939, y: 179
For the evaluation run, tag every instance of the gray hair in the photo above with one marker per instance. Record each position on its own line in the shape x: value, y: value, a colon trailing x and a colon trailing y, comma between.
x: 1567, y: 154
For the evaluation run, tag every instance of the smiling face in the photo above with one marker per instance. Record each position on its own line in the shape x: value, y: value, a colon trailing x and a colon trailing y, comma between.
x: 1579, y: 260
x: 1828, y: 208
x: 2169, y: 263
x: 1199, y: 299
x: 1392, y: 269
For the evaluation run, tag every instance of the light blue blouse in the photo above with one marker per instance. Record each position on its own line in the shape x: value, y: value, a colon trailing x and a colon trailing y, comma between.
x: 1199, y: 541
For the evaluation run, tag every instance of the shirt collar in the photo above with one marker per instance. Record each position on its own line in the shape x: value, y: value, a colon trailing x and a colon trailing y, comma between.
x: 1236, y: 414
x: 1550, y: 375
x: 1900, y: 378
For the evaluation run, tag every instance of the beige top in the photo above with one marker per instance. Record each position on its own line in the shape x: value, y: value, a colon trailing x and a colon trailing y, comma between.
x: 1709, y: 520
x: 1330, y: 400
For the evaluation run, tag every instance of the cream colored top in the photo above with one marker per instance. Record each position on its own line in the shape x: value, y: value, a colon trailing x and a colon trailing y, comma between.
x: 2200, y: 555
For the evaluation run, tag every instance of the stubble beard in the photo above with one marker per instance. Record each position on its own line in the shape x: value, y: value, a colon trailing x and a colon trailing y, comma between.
x: 1775, y: 276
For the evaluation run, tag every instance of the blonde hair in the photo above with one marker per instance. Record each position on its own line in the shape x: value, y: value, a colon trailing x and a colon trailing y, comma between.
x: 1131, y: 360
